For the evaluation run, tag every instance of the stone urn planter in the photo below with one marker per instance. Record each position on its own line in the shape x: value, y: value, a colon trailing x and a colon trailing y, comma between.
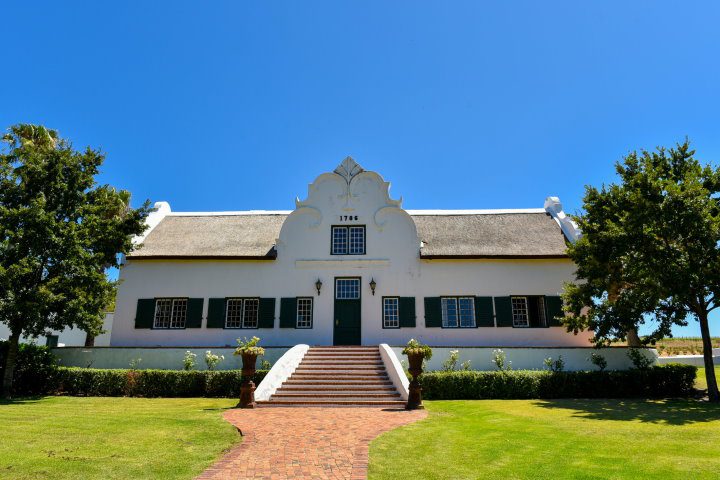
x: 247, y: 388
x: 416, y: 353
x: 249, y: 351
x: 415, y: 392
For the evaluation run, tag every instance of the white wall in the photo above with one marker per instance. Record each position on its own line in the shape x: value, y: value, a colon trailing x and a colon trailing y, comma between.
x: 303, y: 248
x: 532, y: 358
x: 155, y: 358
x: 172, y: 358
x: 71, y: 337
x: 696, y: 360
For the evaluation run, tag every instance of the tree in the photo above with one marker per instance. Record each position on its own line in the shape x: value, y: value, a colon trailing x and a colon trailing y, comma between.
x: 58, y: 234
x: 650, y: 251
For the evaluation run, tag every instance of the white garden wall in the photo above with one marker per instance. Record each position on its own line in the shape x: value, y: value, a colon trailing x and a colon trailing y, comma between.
x: 155, y: 358
x: 530, y: 358
x: 480, y: 357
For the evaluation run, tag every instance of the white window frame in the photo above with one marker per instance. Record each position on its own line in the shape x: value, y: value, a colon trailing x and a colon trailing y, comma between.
x: 518, y: 312
x: 176, y: 317
x: 304, y: 320
x: 345, y: 247
x: 246, y: 307
x: 391, y: 319
x: 338, y: 290
x: 446, y: 301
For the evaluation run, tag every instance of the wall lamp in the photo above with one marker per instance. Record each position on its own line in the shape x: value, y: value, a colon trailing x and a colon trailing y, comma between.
x: 318, y: 286
x: 373, y: 285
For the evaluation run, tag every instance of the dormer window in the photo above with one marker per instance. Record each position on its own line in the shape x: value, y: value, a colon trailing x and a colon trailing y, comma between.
x: 348, y: 240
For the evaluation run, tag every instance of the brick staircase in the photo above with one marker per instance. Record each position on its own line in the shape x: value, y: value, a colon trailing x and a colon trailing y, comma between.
x: 338, y: 376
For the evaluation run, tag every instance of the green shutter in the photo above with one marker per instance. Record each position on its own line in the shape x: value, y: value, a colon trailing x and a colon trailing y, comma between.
x: 553, y: 308
x: 484, y: 312
x: 288, y: 312
x: 503, y: 311
x: 216, y: 313
x: 433, y: 312
x: 406, y: 306
x: 266, y: 316
x: 194, y: 313
x: 145, y: 313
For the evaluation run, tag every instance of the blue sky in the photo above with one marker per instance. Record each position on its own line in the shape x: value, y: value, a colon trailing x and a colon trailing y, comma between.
x: 464, y: 104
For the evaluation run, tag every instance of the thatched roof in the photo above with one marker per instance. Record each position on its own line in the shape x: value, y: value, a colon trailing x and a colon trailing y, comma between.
x: 490, y: 235
x: 451, y: 235
x: 209, y: 236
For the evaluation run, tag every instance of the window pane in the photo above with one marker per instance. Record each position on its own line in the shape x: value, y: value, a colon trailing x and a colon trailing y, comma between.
x: 347, y: 288
x: 467, y: 311
x: 179, y: 312
x: 520, y: 312
x: 391, y: 315
x: 357, y: 240
x: 339, y: 240
x: 233, y: 313
x: 304, y: 312
x: 250, y: 313
x: 449, y: 312
x: 163, y: 309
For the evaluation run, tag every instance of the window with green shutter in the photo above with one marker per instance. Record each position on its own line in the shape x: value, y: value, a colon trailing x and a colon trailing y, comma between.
x: 304, y: 312
x: 433, y: 312
x: 391, y: 312
x: 288, y: 312
x: 145, y: 313
x: 528, y: 311
x: 484, y: 315
x: 407, y: 312
x: 216, y: 313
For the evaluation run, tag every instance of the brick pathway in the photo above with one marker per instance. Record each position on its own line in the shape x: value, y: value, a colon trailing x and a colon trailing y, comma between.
x: 309, y: 442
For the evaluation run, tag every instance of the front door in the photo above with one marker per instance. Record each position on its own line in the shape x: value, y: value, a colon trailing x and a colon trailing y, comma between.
x: 347, y: 312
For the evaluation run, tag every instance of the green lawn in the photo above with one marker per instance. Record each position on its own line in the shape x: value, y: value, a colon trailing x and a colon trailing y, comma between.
x: 112, y: 438
x: 560, y: 439
x: 701, y: 382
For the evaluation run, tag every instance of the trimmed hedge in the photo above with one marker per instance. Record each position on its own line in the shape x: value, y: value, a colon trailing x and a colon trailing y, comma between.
x: 34, y: 368
x: 95, y: 382
x: 671, y: 380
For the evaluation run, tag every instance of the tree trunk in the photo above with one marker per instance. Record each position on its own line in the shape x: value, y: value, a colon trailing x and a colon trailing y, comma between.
x: 633, y: 339
x: 13, y: 341
x: 89, y: 340
x: 713, y: 393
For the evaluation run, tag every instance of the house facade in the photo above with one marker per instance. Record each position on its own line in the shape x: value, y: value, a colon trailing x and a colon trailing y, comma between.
x: 348, y: 266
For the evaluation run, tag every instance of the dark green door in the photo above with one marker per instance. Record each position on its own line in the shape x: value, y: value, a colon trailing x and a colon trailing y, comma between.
x: 347, y: 311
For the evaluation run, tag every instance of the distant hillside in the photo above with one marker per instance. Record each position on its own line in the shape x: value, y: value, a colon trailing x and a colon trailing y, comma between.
x: 683, y: 346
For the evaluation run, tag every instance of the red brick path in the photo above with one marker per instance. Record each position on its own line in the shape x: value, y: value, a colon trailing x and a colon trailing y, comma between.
x: 309, y: 442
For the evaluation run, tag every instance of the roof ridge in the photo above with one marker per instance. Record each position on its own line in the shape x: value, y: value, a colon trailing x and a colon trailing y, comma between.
x: 411, y: 212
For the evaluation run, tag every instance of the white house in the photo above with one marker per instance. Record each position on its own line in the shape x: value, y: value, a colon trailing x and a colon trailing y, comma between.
x: 348, y: 266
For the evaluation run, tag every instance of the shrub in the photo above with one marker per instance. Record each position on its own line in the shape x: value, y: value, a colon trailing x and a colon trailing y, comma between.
x: 598, y: 360
x: 672, y: 380
x: 450, y: 363
x: 189, y: 360
x: 555, y: 365
x: 499, y: 359
x: 35, y: 367
x: 148, y: 383
x: 639, y: 359
x: 212, y: 360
